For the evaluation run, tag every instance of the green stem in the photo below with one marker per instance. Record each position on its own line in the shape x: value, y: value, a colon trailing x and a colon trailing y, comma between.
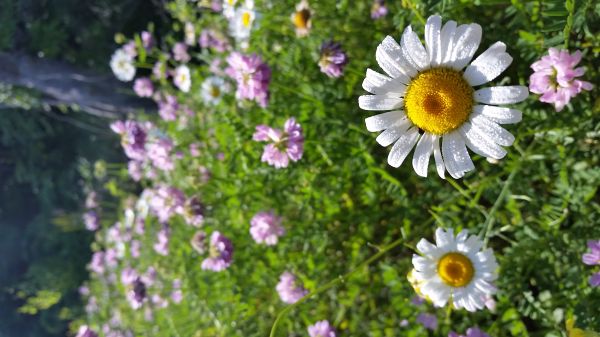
x: 489, y: 222
x: 334, y: 282
x: 416, y: 12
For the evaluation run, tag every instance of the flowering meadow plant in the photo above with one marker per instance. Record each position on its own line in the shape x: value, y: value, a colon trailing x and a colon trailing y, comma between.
x: 256, y: 200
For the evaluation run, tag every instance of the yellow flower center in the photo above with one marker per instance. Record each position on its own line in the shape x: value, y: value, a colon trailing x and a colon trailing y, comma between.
x: 455, y: 269
x: 438, y: 100
x: 301, y: 18
x: 214, y: 91
x: 246, y: 19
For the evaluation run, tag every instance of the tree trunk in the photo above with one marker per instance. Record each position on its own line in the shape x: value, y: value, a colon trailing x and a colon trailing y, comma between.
x: 64, y: 84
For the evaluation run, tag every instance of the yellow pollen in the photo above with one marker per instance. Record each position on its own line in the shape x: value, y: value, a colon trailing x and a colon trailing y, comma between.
x: 246, y: 19
x: 455, y: 269
x: 438, y: 100
x: 301, y: 18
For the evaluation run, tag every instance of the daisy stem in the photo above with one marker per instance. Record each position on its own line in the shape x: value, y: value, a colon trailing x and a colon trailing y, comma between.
x: 489, y: 222
x: 340, y: 279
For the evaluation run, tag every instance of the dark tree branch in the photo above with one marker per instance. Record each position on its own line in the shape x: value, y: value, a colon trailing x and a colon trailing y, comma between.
x: 62, y: 83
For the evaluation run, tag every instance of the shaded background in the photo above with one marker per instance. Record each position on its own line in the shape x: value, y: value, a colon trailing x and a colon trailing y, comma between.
x: 46, y: 149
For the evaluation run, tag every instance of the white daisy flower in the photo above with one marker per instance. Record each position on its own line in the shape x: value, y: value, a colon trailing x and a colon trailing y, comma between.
x: 241, y: 23
x: 455, y: 270
x: 213, y: 89
x: 430, y: 97
x: 182, y: 78
x: 189, y: 33
x: 122, y: 65
x: 229, y: 8
x: 301, y: 18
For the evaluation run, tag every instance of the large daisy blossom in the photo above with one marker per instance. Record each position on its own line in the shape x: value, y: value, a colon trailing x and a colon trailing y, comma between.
x: 455, y: 270
x: 429, y: 97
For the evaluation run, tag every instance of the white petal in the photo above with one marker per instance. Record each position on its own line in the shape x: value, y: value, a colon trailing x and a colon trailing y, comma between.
x: 390, y: 58
x: 384, y: 120
x: 426, y: 247
x: 444, y: 237
x: 394, y: 88
x: 488, y: 65
x: 480, y: 143
x: 465, y: 44
x: 492, y: 130
x: 484, y: 286
x: 398, y: 56
x: 422, y: 154
x: 456, y: 156
x: 502, y: 95
x: 439, y: 162
x: 472, y: 245
x: 421, y: 263
x: 437, y: 291
x: 411, y: 43
x: 392, y: 134
x: 433, y: 39
x: 379, y: 102
x: 402, y: 147
x: 374, y: 80
x: 447, y: 38
x: 498, y: 114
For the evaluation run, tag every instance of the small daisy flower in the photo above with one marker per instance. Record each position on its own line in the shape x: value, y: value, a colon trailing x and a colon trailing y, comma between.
x: 455, y: 270
x: 430, y: 98
x: 182, y: 78
x: 189, y: 32
x: 241, y: 23
x: 283, y: 145
x: 220, y: 253
x: 265, y: 227
x: 333, y: 59
x: 86, y: 331
x: 229, y: 8
x: 321, y: 329
x: 143, y: 87
x: 213, y: 89
x: 378, y: 9
x: 555, y: 77
x: 301, y: 18
x: 122, y: 65
x: 290, y: 289
x: 252, y: 75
